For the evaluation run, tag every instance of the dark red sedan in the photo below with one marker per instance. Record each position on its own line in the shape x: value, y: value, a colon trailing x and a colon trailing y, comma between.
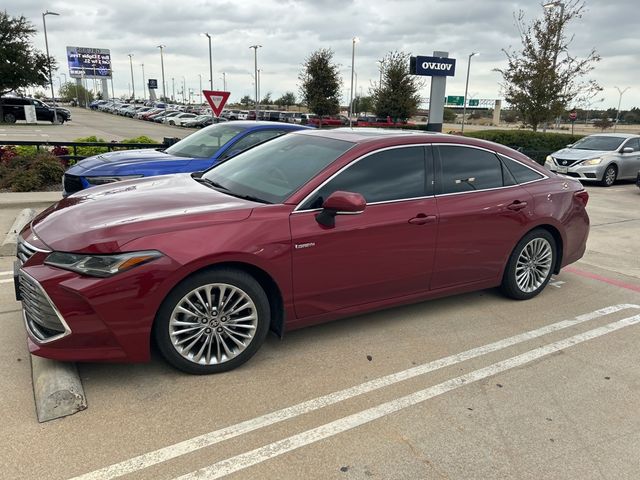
x: 307, y: 228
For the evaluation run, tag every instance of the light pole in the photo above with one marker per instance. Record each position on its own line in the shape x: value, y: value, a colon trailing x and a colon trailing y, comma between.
x: 548, y: 6
x: 46, y: 42
x: 144, y: 84
x: 184, y: 86
x: 210, y: 61
x: 173, y: 89
x: 381, y: 62
x: 224, y: 81
x: 620, y: 92
x: 354, y: 40
x: 200, y: 81
x: 133, y: 86
x: 255, y: 63
x: 164, y: 93
x: 466, y: 90
x: 259, y: 85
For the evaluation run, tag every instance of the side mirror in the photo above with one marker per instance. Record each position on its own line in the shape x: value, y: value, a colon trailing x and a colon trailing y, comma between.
x: 627, y: 150
x: 340, y: 203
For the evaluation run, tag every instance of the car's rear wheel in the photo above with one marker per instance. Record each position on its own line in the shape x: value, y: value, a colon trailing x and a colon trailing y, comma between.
x: 530, y: 266
x: 213, y: 321
x: 610, y: 176
x: 9, y: 118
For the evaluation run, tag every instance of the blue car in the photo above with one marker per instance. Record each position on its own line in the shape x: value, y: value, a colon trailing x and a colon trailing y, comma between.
x: 199, y: 151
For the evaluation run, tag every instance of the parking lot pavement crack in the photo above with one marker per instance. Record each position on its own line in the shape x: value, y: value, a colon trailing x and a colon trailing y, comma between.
x: 613, y: 223
x: 419, y: 455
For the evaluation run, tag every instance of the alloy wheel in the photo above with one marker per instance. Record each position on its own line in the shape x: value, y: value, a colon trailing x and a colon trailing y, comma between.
x: 213, y: 324
x: 610, y: 176
x: 534, y: 265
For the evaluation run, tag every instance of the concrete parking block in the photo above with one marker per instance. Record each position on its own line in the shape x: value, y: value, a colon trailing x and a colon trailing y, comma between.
x: 57, y: 389
x: 8, y: 246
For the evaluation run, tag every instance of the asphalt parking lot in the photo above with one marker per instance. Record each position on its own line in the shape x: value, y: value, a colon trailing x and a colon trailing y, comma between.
x: 474, y: 386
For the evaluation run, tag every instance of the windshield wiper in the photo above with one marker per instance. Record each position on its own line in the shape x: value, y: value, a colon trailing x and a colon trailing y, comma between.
x: 249, y: 197
x: 211, y: 183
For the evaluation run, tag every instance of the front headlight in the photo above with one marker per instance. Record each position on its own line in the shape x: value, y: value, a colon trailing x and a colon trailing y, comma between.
x: 593, y: 161
x: 100, y: 265
x: 95, y: 181
x: 550, y: 160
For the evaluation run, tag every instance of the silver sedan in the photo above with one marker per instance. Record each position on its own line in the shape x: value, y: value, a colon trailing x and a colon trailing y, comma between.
x: 603, y: 158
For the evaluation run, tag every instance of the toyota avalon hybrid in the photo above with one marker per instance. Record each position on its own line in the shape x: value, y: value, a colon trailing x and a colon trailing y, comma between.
x: 309, y: 227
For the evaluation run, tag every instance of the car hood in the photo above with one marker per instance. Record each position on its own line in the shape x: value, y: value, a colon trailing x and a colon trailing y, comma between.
x: 576, y: 154
x: 103, y: 219
x: 122, y: 158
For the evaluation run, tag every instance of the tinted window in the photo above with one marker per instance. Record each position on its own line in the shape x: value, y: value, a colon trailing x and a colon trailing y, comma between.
x: 252, y: 139
x: 521, y: 173
x: 466, y: 169
x: 206, y: 142
x: 389, y: 175
x: 277, y: 168
x: 633, y: 143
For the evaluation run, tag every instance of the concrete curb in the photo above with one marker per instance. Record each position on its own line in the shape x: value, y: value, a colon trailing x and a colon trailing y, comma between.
x: 9, y: 244
x: 37, y: 200
x: 57, y: 389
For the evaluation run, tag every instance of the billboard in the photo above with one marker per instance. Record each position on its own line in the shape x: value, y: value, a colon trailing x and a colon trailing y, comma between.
x: 93, y: 62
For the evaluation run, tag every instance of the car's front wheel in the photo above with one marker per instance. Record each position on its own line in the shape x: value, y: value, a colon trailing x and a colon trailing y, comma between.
x: 213, y: 321
x: 9, y: 118
x: 610, y: 176
x: 530, y: 266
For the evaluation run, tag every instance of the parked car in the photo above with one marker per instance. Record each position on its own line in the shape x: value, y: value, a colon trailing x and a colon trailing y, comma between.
x: 163, y: 116
x: 603, y: 157
x: 197, y: 152
x: 303, y: 229
x: 13, y: 110
x: 179, y: 118
x: 202, y: 121
x: 329, y: 120
x: 380, y: 122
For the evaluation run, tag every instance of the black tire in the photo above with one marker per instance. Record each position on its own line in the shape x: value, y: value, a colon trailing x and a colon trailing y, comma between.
x: 60, y: 120
x: 609, y: 176
x: 9, y: 118
x: 236, y: 278
x: 510, y: 286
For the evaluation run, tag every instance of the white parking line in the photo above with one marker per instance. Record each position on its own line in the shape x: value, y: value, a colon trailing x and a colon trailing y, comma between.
x: 8, y: 280
x: 155, y: 457
x: 275, y: 449
x: 6, y: 272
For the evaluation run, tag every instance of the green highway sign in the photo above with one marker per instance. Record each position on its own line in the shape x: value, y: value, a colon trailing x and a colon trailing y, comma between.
x: 474, y: 103
x: 455, y: 100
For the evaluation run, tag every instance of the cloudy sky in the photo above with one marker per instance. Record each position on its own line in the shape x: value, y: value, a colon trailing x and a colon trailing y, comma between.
x: 289, y: 30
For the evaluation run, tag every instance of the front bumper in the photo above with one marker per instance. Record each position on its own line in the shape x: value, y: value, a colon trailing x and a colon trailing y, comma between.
x: 101, y: 319
x: 587, y: 173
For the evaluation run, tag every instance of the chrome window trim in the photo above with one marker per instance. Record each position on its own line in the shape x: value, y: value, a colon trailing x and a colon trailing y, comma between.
x: 394, y: 147
x: 67, y: 330
x: 497, y: 154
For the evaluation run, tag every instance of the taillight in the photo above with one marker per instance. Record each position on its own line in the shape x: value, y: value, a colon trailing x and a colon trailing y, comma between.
x: 582, y: 196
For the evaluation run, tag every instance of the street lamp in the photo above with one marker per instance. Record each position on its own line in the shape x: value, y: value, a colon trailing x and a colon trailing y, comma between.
x: 133, y: 86
x: 144, y: 83
x: 548, y: 6
x: 620, y: 92
x: 255, y: 63
x: 184, y: 87
x: 354, y: 40
x: 173, y: 89
x: 466, y: 90
x: 210, y: 61
x: 200, y: 82
x: 46, y: 42
x: 164, y: 93
x: 224, y: 81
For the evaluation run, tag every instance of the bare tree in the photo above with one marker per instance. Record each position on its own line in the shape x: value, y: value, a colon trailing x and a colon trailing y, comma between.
x: 543, y: 78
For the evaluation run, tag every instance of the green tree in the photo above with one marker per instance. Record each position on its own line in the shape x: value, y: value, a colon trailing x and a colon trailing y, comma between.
x: 71, y: 91
x: 449, y: 115
x: 320, y: 83
x: 286, y: 100
x: 398, y: 95
x: 21, y: 65
x: 363, y: 104
x: 542, y: 79
x: 247, y: 101
x: 267, y: 99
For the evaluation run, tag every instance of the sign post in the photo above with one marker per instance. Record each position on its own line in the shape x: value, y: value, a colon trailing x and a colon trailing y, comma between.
x: 217, y: 100
x: 438, y: 67
x: 573, y: 116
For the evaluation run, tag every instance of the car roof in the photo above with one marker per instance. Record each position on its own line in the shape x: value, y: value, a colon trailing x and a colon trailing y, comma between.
x: 620, y: 135
x: 363, y: 134
x: 250, y: 124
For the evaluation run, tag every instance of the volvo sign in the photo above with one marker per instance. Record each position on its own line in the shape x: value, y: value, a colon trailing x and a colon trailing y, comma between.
x: 432, y: 66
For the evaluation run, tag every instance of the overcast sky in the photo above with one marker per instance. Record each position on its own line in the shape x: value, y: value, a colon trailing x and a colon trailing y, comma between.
x: 289, y: 30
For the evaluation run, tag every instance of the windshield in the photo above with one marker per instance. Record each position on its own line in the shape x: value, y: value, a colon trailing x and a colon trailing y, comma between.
x: 206, y: 142
x: 274, y: 170
x: 601, y: 142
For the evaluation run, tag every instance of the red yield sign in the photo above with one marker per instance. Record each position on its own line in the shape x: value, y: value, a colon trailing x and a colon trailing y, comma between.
x: 217, y: 100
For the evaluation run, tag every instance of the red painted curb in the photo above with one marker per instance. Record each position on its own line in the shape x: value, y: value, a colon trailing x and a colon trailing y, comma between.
x: 594, y: 276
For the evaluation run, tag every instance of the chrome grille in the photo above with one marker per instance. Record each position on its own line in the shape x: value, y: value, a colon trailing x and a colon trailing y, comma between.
x: 42, y: 319
x: 566, y: 163
x: 25, y: 251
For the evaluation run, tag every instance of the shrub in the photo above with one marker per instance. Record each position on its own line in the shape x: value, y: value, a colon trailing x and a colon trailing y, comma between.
x: 90, y: 151
x: 141, y: 139
x: 26, y: 173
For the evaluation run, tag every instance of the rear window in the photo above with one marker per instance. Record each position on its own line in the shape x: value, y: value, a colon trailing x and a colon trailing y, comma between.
x: 520, y: 172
